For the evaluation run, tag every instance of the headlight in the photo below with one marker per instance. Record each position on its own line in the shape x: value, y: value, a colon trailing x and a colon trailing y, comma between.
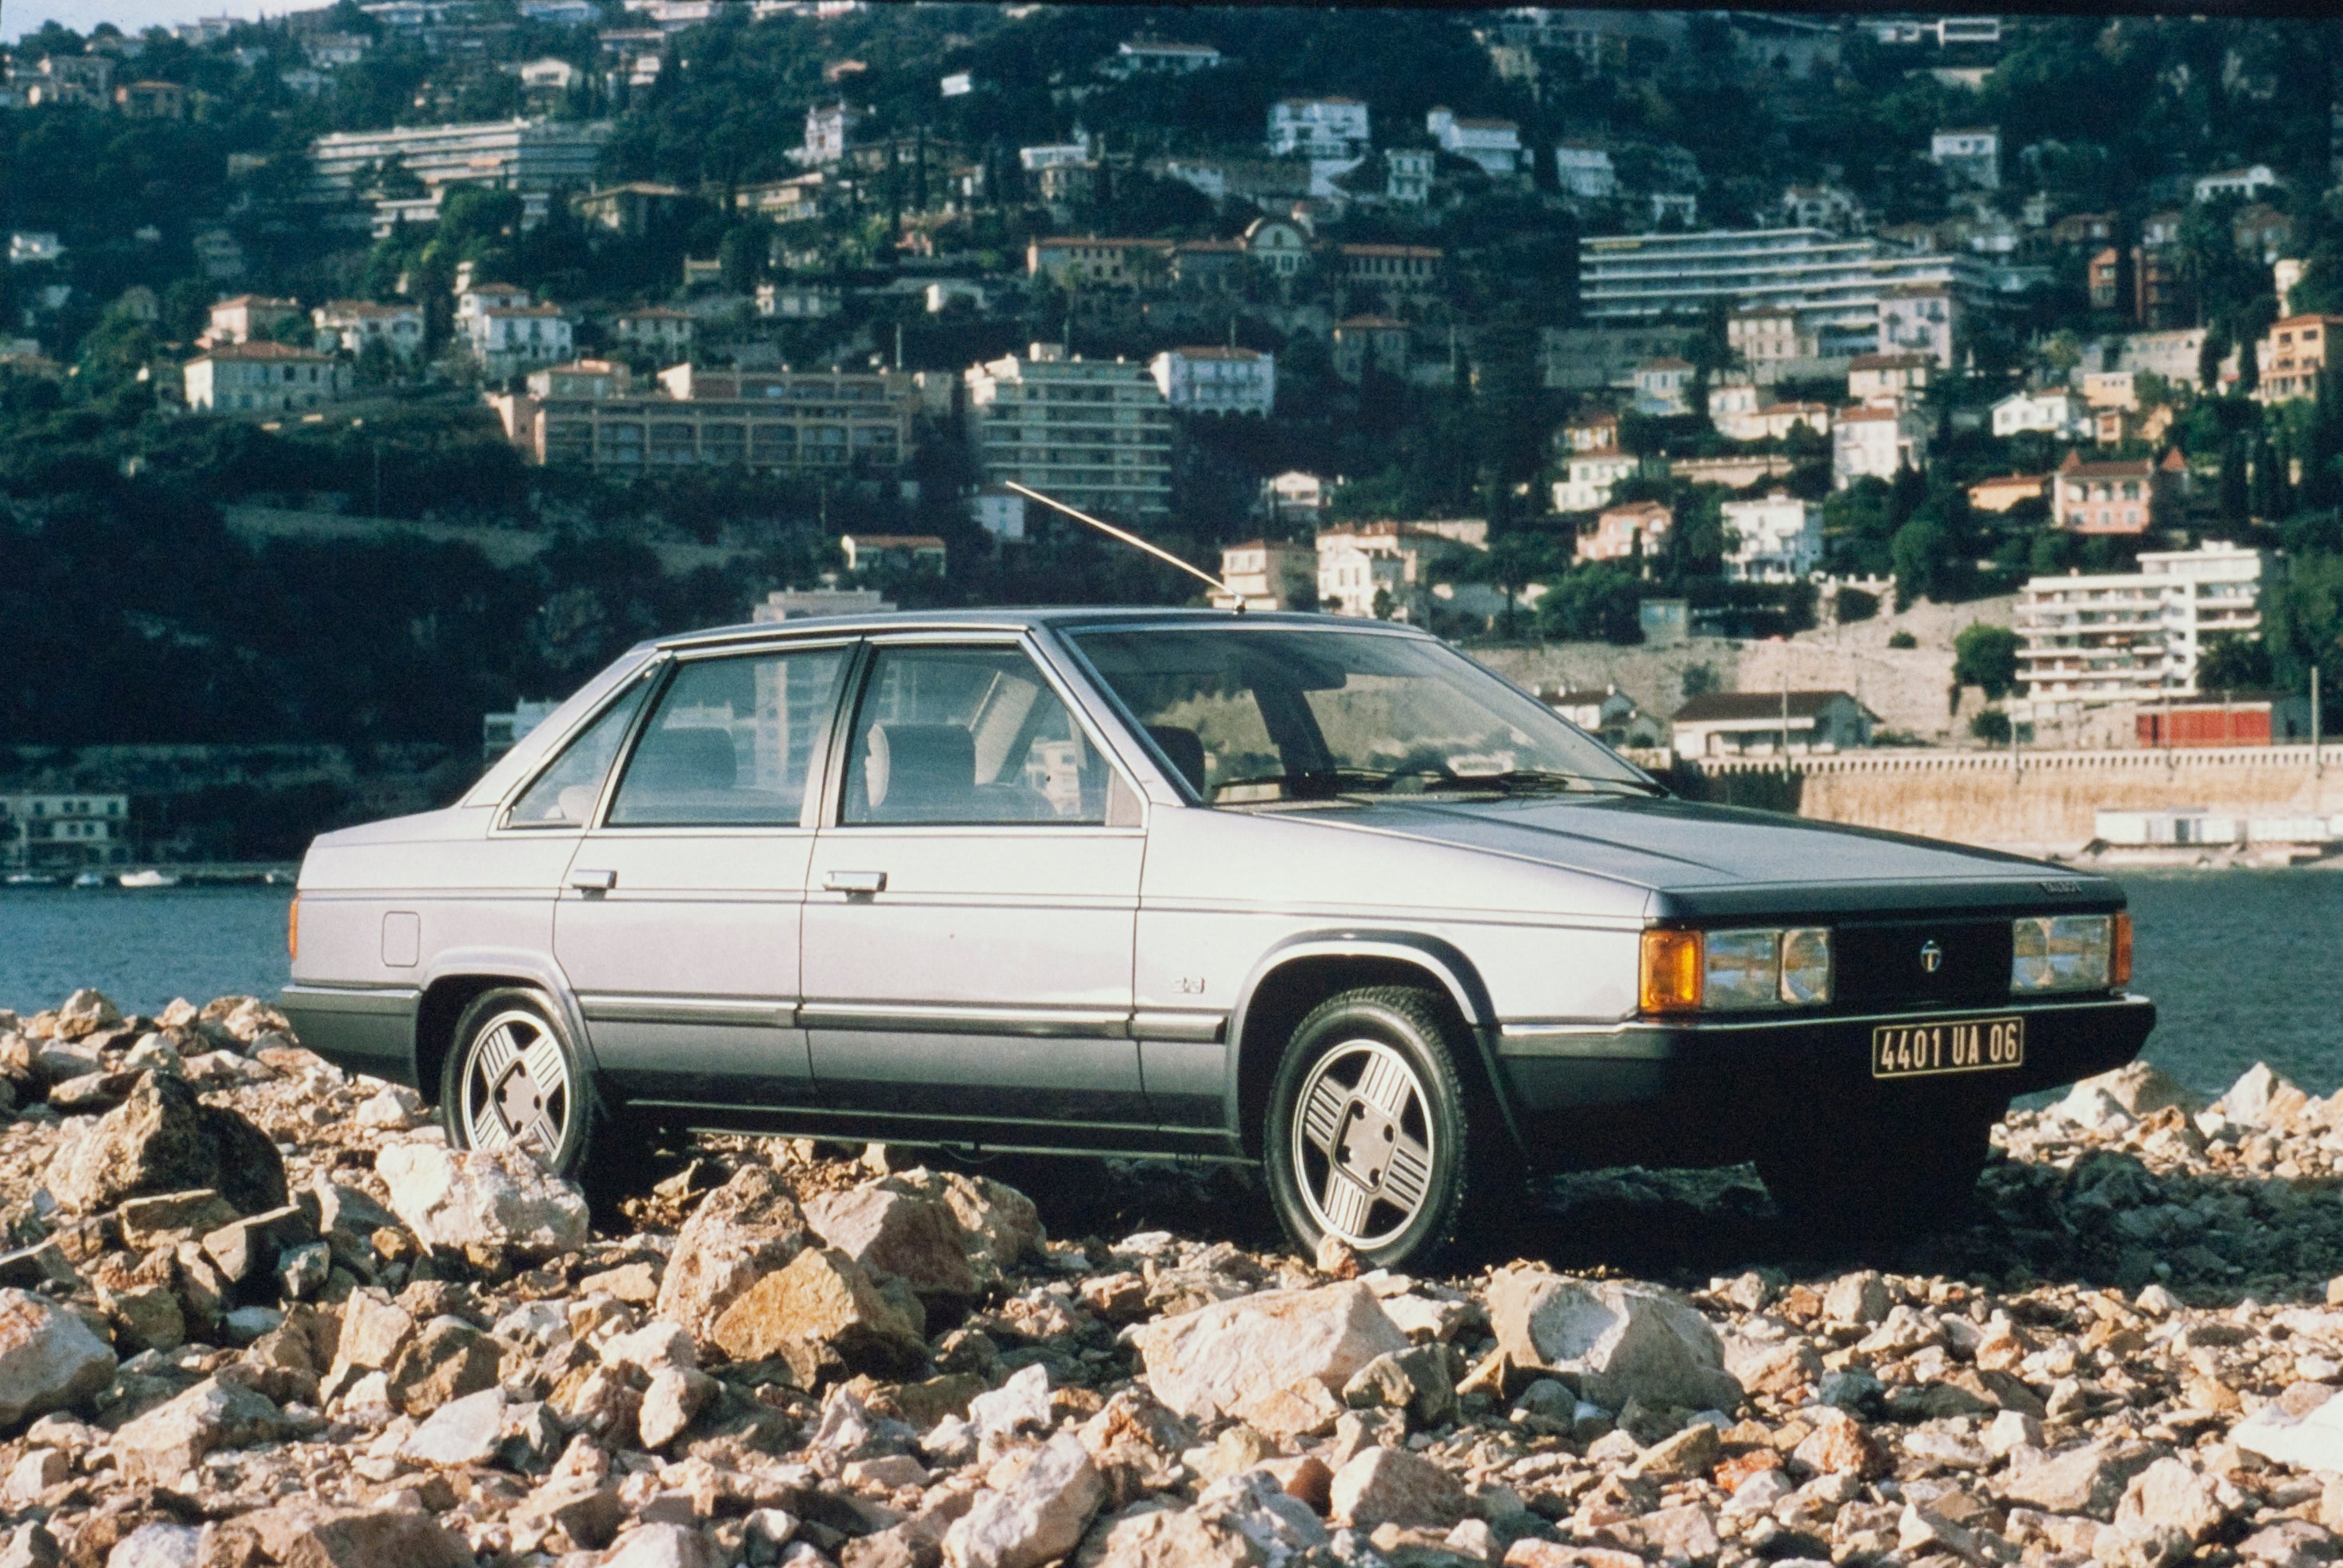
x: 2069, y: 952
x: 1725, y: 971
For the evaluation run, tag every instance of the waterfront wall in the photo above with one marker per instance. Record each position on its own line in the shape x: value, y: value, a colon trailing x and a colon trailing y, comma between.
x: 2030, y: 799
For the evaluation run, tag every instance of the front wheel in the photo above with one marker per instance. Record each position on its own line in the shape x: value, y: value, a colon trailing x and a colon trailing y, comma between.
x: 1369, y: 1137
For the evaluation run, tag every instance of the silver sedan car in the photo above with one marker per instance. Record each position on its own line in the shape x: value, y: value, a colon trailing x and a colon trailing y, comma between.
x: 1320, y: 896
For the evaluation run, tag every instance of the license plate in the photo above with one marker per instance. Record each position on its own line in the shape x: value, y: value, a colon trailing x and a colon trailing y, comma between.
x: 1958, y: 1045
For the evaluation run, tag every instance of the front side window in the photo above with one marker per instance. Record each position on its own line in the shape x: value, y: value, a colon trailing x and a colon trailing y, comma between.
x: 565, y: 793
x: 967, y: 736
x: 1248, y: 717
x: 730, y: 742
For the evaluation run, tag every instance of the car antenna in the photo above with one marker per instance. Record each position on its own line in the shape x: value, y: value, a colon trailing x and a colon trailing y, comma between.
x: 1158, y: 551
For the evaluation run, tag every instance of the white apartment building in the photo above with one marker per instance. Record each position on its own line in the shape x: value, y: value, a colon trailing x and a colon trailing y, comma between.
x: 2136, y: 637
x: 1157, y: 57
x: 1970, y: 155
x: 350, y: 325
x: 1211, y: 380
x: 1742, y: 412
x: 2053, y: 411
x: 657, y: 329
x: 1832, y: 287
x: 503, y: 155
x: 45, y: 829
x: 1494, y: 145
x: 1589, y: 478
x: 1318, y: 127
x: 510, y: 339
x: 1584, y: 170
x: 263, y: 379
x: 1353, y: 568
x: 1778, y: 539
x: 1267, y: 574
x: 2171, y: 355
x: 1407, y: 175
x: 1876, y: 442
x: 1094, y: 433
x: 1920, y: 318
x: 2249, y: 183
x: 1000, y: 512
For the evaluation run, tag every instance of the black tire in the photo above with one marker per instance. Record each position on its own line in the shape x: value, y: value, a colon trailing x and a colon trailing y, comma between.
x: 1371, y: 1073
x: 534, y: 1090
x: 1892, y: 1184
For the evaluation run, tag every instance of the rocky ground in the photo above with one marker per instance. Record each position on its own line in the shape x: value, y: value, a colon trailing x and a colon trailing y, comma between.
x: 259, y: 1314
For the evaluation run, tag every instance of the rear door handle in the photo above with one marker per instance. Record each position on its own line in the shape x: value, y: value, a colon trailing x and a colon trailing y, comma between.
x: 854, y: 881
x: 593, y: 881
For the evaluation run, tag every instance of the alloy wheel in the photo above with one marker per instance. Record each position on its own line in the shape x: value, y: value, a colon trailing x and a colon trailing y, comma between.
x: 516, y: 1086
x: 1364, y: 1143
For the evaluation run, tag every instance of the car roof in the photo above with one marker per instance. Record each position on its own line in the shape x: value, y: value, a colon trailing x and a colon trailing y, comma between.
x: 1061, y: 619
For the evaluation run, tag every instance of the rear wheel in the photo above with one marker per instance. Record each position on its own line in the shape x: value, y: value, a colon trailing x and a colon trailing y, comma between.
x: 1887, y: 1185
x: 1371, y: 1136
x: 514, y: 1080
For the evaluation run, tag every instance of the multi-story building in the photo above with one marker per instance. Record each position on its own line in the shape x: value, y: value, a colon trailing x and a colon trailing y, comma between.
x: 655, y: 328
x: 1094, y: 433
x: 246, y: 318
x: 510, y: 339
x: 1318, y: 127
x: 263, y: 379
x: 1494, y: 145
x: 1157, y: 57
x: 1922, y: 319
x: 1663, y: 385
x: 1395, y: 270
x: 1877, y: 443
x: 1393, y: 560
x: 1770, y: 723
x: 2248, y: 182
x: 1827, y: 207
x: 1092, y: 262
x: 2171, y: 355
x: 2292, y: 355
x: 1778, y: 539
x: 1213, y: 380
x: 1589, y: 477
x: 2131, y: 637
x: 1407, y: 175
x: 1637, y: 529
x: 1970, y: 156
x: 1889, y: 379
x: 2052, y: 411
x: 351, y: 325
x: 1585, y: 171
x: 44, y: 829
x: 911, y: 552
x: 1740, y: 413
x: 1268, y: 574
x: 1832, y: 287
x: 503, y: 155
x: 791, y: 421
x: 829, y: 131
x: 1362, y: 343
x: 2118, y: 498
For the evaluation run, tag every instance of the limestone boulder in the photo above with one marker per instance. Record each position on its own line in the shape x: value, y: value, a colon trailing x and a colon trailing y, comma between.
x: 49, y: 1359
x: 472, y: 1199
x: 162, y: 1139
x: 821, y: 1316
x: 1624, y: 1339
x: 913, y: 1238
x: 745, y: 1230
x: 1395, y: 1486
x: 312, y: 1535
x: 1038, y: 1517
x: 1213, y: 1361
x: 170, y: 1440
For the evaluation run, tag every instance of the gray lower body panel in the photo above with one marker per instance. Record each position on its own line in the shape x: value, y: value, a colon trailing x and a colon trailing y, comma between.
x: 359, y: 1031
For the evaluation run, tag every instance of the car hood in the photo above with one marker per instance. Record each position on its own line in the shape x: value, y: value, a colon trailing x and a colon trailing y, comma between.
x: 1699, y: 859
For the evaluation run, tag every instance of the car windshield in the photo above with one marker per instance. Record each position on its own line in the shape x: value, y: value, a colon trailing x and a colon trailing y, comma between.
x: 1254, y: 714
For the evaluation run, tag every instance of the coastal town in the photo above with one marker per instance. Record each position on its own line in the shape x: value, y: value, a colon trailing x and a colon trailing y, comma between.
x: 1510, y: 346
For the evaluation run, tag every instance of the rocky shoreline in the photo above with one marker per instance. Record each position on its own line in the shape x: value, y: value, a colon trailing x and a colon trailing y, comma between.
x: 259, y: 1314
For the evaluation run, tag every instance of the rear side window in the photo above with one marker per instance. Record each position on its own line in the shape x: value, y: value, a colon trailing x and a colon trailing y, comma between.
x: 565, y: 793
x: 969, y: 736
x: 730, y: 743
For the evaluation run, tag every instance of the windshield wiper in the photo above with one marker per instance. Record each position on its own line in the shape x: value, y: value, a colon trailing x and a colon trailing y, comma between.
x: 1323, y: 783
x: 1543, y: 781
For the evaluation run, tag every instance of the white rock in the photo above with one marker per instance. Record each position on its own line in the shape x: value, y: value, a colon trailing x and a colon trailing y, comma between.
x: 1758, y: 1494
x: 655, y: 1347
x: 676, y: 1395
x: 2089, y: 1106
x: 2248, y: 1100
x: 473, y: 1198
x: 1624, y: 1340
x: 660, y: 1546
x: 462, y: 1432
x: 1040, y: 1516
x: 171, y: 1439
x: 48, y: 1357
x: 396, y: 1108
x: 159, y: 1546
x: 2313, y: 1441
x: 40, y: 1469
x: 1259, y: 1509
x: 1208, y: 1362
x: 1023, y: 1402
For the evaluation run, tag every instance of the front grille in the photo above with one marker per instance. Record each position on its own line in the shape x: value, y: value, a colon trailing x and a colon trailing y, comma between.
x: 1878, y: 967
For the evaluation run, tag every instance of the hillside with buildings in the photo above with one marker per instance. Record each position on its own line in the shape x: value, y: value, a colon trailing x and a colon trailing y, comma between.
x: 1561, y: 332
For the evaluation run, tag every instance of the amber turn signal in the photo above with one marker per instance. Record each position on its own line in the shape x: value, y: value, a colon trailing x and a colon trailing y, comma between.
x: 293, y: 929
x: 1671, y: 971
x: 2119, y: 960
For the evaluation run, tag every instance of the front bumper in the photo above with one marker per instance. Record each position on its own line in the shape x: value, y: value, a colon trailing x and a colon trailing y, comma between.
x: 1697, y: 1091
x: 369, y: 1030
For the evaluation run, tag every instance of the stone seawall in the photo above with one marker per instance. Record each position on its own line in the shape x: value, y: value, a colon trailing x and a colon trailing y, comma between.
x: 2036, y: 797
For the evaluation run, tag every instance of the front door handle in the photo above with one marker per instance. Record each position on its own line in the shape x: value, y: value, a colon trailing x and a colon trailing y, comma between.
x: 854, y: 881
x: 593, y: 881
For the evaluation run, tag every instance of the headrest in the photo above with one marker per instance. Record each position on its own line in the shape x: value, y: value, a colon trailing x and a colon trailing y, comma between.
x: 688, y: 759
x: 1185, y: 749
x: 915, y: 768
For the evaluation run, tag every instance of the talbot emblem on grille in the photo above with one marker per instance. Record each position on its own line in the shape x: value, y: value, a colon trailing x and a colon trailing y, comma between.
x: 1932, y: 957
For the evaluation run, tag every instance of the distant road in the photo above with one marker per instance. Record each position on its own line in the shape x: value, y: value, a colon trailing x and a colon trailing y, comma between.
x: 504, y: 548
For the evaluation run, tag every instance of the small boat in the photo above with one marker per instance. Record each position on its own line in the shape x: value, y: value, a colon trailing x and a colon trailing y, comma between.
x: 148, y: 879
x: 31, y: 880
x: 89, y: 880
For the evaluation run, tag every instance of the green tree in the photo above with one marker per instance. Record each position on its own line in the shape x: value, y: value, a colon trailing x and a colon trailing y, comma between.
x: 1598, y: 602
x: 1992, y: 727
x: 1986, y: 656
x: 2232, y: 661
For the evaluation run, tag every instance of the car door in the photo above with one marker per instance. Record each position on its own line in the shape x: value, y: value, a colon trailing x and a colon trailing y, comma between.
x: 969, y: 914
x: 679, y: 924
